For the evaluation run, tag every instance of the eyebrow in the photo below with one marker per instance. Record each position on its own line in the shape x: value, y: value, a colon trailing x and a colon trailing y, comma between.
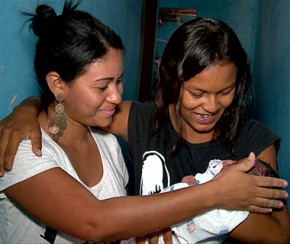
x: 229, y: 88
x: 110, y: 78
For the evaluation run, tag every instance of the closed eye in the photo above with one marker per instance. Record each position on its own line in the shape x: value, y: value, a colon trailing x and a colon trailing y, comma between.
x: 103, y: 88
x: 196, y: 94
x: 227, y: 92
x: 120, y: 80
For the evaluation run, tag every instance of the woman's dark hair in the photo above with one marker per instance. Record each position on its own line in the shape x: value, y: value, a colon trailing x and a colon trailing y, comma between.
x: 68, y: 43
x: 194, y: 46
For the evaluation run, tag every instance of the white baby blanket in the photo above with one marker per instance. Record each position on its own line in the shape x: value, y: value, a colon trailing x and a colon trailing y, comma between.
x: 208, y: 227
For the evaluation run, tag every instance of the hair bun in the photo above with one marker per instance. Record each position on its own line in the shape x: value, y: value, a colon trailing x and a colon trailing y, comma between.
x: 42, y: 20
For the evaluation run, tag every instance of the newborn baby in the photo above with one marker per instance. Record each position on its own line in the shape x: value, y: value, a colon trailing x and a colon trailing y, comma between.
x: 260, y: 168
x: 211, y: 227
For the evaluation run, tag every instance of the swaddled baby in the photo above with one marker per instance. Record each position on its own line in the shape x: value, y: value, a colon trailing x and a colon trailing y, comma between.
x: 211, y: 227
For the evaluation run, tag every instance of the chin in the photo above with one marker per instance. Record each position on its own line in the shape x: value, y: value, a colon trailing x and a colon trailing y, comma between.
x: 101, y: 123
x: 105, y: 123
x: 204, y: 129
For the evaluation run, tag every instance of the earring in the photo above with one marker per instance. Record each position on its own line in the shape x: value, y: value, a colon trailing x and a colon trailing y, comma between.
x: 57, y: 123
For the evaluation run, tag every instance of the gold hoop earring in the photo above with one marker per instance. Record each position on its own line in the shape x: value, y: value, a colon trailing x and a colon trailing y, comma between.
x: 57, y: 123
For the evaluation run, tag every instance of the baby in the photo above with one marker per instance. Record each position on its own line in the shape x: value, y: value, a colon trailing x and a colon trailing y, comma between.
x: 260, y: 168
x: 214, y: 224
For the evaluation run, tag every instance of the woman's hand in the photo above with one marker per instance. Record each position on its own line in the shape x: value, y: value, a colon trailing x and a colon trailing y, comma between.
x: 21, y: 124
x: 153, y: 238
x: 241, y: 191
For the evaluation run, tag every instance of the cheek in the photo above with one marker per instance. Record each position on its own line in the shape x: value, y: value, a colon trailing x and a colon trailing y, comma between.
x: 120, y: 88
x: 91, y: 102
x: 83, y: 101
x: 188, y: 102
x: 226, y: 101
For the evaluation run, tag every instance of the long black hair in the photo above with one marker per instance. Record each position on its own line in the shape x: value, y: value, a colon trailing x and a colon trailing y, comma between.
x: 194, y: 46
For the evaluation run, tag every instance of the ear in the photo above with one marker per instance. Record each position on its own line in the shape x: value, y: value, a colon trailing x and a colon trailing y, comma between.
x: 54, y: 83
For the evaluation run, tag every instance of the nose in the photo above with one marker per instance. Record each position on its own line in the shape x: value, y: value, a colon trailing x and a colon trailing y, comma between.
x: 211, y: 104
x: 115, y: 94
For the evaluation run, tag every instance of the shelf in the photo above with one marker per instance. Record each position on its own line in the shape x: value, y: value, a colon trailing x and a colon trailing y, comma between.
x: 175, y: 14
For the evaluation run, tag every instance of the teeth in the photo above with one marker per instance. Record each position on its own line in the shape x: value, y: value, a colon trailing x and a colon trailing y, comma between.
x: 205, y: 116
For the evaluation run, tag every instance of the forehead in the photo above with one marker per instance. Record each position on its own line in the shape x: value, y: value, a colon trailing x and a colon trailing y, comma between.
x: 111, y: 64
x: 219, y: 76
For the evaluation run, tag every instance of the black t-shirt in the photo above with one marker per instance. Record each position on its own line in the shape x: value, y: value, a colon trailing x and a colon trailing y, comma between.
x: 154, y: 169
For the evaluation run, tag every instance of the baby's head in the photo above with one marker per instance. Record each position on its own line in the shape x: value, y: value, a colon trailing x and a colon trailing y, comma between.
x: 263, y: 169
x: 260, y: 167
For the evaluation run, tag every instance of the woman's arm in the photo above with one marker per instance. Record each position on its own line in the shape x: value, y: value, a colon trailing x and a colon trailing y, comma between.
x: 65, y: 205
x: 265, y: 228
x: 119, y: 125
x: 22, y: 124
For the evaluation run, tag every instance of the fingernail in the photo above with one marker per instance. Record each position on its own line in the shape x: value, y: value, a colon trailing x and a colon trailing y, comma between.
x: 7, y: 169
x: 281, y: 205
x: 39, y: 153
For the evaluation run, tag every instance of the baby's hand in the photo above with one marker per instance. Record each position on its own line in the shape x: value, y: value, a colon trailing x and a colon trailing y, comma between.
x: 190, y: 180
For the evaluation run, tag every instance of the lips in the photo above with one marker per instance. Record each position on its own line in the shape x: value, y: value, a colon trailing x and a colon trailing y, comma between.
x: 206, y: 118
x: 109, y: 112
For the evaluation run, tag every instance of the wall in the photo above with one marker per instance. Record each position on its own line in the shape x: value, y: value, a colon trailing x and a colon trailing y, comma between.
x: 272, y: 73
x: 17, y: 79
x: 241, y: 15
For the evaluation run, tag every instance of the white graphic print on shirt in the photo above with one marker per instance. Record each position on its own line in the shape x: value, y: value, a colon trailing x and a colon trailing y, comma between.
x: 153, y: 172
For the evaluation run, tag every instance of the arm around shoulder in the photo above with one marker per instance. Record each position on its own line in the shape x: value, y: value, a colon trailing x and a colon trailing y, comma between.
x: 119, y: 125
x: 21, y: 124
x: 63, y: 200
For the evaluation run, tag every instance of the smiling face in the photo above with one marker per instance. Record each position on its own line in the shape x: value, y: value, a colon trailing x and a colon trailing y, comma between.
x: 92, y: 98
x: 204, y: 99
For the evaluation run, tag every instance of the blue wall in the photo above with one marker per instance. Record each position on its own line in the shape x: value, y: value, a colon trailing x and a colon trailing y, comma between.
x: 272, y: 74
x: 241, y: 15
x: 17, y: 80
